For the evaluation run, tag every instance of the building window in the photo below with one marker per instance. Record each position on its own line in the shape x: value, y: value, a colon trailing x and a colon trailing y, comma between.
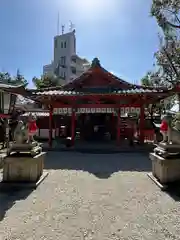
x: 73, y: 70
x: 61, y: 44
x: 63, y: 61
x: 73, y: 59
x: 64, y: 44
x: 56, y: 43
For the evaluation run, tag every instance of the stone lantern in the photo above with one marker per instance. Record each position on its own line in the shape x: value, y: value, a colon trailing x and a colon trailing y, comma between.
x: 7, y: 100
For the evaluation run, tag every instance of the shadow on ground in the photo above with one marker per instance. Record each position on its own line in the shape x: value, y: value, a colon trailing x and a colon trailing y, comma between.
x: 101, y: 165
x: 97, y: 147
x: 9, y: 197
x: 173, y: 191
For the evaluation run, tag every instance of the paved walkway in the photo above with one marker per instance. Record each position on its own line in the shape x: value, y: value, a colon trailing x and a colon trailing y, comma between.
x: 91, y: 196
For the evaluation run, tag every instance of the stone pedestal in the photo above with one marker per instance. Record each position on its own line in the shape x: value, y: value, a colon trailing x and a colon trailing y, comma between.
x: 23, y: 168
x: 167, y: 150
x: 165, y: 170
x: 34, y: 148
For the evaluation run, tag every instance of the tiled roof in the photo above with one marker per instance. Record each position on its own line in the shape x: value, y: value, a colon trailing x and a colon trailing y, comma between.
x: 56, y: 92
x: 97, y: 76
x: 139, y: 90
x: 3, y: 85
x: 74, y: 93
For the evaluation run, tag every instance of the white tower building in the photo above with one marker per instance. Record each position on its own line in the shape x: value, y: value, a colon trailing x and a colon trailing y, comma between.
x: 67, y: 65
x: 48, y: 69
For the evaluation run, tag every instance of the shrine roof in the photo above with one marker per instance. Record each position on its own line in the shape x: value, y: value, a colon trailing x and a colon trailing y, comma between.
x: 4, y: 85
x: 16, y: 89
x: 74, y: 93
x: 96, y: 77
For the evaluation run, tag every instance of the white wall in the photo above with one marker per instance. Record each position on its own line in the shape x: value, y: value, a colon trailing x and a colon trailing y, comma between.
x: 64, y: 46
x: 48, y: 69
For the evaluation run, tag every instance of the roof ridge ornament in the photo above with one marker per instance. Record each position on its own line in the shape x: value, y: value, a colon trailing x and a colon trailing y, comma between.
x: 95, y: 63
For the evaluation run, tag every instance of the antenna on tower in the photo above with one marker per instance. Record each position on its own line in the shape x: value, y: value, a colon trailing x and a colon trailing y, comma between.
x: 71, y: 26
x: 62, y: 28
x: 58, y: 24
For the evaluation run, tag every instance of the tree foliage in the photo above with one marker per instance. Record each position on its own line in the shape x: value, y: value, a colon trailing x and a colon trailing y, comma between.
x: 167, y: 13
x: 45, y: 81
x: 146, y: 80
x: 19, y: 79
x: 167, y: 58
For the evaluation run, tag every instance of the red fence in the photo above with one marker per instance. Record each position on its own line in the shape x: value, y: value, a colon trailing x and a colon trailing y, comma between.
x: 149, y: 135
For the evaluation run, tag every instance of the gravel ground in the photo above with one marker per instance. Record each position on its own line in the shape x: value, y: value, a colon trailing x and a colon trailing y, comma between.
x: 91, y: 196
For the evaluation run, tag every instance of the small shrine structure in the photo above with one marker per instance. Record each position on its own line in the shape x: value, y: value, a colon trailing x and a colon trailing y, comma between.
x: 97, y: 96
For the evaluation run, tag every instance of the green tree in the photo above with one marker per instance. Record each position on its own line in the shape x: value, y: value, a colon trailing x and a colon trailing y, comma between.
x: 167, y: 13
x: 19, y: 79
x: 6, y: 78
x: 146, y: 80
x: 45, y: 81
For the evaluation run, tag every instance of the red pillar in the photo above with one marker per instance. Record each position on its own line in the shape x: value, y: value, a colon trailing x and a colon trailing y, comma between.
x: 118, y: 126
x: 50, y: 126
x: 112, y: 125
x: 112, y: 118
x: 141, y: 125
x: 73, y: 119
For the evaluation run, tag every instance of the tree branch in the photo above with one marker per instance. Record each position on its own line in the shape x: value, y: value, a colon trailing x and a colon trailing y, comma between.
x: 173, y: 25
x: 173, y: 12
x: 171, y: 63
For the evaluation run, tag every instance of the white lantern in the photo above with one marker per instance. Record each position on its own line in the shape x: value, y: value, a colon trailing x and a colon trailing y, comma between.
x: 7, y: 102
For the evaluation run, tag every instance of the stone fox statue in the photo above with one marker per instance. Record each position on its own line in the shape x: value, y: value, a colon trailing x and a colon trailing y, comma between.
x: 164, y: 128
x: 32, y: 128
x: 171, y: 133
x: 21, y: 133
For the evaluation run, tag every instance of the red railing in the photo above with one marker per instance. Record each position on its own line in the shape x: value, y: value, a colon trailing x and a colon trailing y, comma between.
x: 149, y: 135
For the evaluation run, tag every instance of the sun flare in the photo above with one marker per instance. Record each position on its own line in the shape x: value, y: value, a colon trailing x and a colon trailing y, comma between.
x: 94, y: 6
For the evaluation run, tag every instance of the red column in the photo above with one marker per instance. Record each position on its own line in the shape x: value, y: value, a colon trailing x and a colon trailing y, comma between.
x: 118, y: 126
x: 112, y: 125
x: 73, y: 119
x: 112, y: 118
x: 141, y: 125
x: 50, y: 126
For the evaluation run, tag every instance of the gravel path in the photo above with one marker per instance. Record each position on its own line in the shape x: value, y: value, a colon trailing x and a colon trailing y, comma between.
x: 88, y: 196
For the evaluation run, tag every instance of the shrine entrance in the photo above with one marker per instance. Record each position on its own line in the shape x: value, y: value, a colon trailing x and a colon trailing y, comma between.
x: 95, y: 127
x: 100, y: 124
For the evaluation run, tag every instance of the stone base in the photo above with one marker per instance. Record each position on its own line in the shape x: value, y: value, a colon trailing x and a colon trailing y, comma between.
x: 21, y: 185
x: 167, y: 150
x: 169, y: 147
x: 23, y: 168
x: 34, y: 148
x: 165, y: 170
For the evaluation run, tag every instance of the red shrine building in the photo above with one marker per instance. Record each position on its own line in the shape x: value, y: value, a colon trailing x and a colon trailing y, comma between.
x: 94, y: 105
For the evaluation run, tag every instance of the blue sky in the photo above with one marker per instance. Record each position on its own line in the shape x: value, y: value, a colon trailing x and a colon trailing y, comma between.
x: 120, y: 33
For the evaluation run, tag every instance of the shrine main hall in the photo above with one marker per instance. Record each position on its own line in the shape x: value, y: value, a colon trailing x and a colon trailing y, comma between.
x: 97, y: 105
